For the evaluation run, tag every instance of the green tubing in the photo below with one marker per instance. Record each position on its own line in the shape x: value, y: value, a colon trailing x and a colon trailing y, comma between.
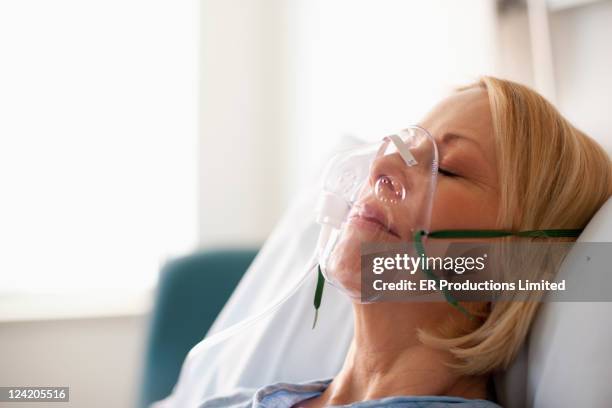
x: 318, y: 295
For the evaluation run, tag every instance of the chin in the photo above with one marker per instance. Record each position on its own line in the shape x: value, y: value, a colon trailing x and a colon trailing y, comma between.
x: 344, y: 265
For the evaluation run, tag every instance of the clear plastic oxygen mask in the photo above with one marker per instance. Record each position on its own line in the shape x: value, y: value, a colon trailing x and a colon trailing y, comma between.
x: 381, y: 193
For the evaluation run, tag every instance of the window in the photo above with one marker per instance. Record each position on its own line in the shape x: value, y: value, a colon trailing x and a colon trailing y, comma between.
x: 98, y: 141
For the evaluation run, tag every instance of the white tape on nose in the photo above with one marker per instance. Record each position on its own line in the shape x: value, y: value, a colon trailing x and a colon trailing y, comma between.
x: 403, y: 150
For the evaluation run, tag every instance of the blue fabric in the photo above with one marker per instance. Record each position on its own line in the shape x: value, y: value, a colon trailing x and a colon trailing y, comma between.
x: 283, y: 395
x: 191, y: 292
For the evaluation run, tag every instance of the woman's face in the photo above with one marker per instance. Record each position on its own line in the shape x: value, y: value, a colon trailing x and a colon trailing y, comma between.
x: 465, y: 197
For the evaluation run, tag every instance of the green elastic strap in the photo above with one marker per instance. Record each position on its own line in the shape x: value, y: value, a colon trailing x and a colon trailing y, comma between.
x: 456, y: 234
x: 551, y: 233
x: 420, y: 249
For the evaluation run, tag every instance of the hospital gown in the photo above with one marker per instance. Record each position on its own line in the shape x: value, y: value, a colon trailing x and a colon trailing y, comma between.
x: 283, y: 395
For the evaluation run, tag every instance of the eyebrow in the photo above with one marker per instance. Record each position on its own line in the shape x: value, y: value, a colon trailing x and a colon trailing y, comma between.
x: 448, y: 136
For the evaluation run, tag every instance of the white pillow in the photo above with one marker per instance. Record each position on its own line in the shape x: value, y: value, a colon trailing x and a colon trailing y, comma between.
x: 566, y: 360
x: 569, y: 350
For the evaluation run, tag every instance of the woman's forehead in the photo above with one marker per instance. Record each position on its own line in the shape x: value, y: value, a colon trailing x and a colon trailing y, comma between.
x: 465, y: 113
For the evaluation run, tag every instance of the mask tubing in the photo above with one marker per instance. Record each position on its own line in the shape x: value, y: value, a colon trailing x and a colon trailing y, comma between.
x: 224, y: 334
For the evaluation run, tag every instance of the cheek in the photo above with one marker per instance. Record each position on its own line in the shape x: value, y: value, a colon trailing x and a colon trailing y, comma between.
x: 457, y: 207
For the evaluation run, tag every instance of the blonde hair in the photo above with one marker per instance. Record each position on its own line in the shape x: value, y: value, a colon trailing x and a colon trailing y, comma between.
x: 551, y: 176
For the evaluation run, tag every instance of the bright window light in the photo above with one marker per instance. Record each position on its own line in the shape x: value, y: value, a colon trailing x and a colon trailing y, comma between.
x: 98, y: 141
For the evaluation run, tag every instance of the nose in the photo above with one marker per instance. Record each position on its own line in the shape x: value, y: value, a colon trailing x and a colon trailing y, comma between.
x: 388, y: 178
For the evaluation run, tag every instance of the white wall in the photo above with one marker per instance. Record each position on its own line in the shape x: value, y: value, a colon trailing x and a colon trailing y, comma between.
x: 99, y: 359
x: 513, y: 53
x: 242, y: 118
x: 582, y: 40
x: 283, y: 79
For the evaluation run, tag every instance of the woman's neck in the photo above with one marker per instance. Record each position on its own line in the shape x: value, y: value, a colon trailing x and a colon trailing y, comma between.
x: 387, y: 359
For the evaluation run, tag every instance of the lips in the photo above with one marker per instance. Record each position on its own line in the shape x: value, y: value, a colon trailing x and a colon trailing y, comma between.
x: 372, y: 215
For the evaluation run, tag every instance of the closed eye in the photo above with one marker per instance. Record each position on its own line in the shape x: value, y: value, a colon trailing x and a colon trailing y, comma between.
x: 446, y: 173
